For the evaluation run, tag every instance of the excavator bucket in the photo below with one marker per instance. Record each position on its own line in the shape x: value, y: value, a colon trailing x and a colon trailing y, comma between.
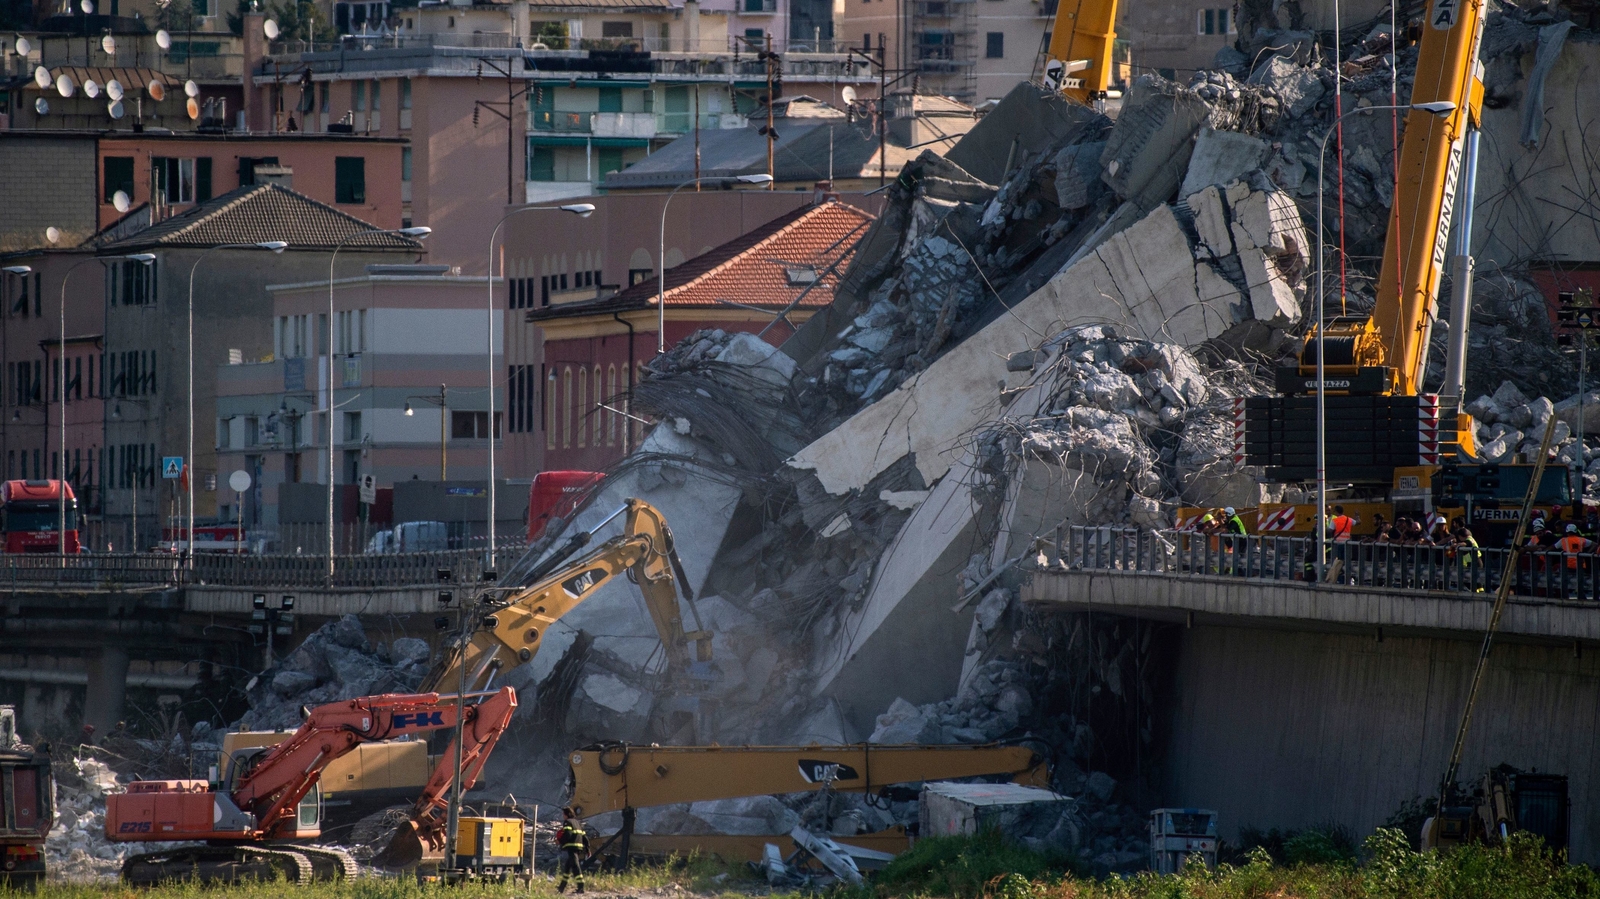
x: 405, y: 849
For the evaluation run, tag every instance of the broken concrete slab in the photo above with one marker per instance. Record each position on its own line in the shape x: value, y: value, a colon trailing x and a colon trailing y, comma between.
x: 1147, y: 153
x: 1016, y: 811
x: 1272, y: 299
x: 1143, y: 279
x: 1297, y: 87
x: 1220, y: 157
x: 1029, y: 119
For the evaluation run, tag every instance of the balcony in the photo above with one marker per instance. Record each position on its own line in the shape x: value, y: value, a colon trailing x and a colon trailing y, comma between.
x: 561, y: 122
x: 622, y: 124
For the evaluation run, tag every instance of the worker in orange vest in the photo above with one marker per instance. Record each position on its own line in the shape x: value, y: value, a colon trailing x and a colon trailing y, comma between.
x: 1571, y: 544
x: 1344, y: 526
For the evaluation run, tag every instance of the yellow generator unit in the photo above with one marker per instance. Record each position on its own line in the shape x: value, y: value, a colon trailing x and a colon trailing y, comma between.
x: 488, y: 847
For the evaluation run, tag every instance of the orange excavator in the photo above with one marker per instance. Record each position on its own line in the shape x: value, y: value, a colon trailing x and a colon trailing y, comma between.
x: 250, y: 825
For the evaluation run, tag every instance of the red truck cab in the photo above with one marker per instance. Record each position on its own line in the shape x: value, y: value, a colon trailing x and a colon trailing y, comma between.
x: 30, y: 516
x: 555, y: 494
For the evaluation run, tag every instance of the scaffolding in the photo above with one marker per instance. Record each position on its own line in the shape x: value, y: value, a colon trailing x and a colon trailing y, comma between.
x: 943, y: 34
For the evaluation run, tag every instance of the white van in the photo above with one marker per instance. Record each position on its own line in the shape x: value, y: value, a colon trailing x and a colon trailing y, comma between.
x: 411, y: 537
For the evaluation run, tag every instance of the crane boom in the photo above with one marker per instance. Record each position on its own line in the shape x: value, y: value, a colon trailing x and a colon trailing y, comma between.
x: 1392, y: 344
x: 644, y: 551
x: 1078, y: 63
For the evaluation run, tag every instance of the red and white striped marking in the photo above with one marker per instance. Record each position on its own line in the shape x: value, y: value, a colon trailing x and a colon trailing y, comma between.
x: 1281, y: 520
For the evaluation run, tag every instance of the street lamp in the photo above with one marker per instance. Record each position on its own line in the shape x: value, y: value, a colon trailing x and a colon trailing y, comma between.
x: 61, y: 384
x: 581, y: 210
x: 418, y: 232
x: 440, y: 401
x: 276, y: 247
x: 661, y: 257
x: 20, y: 271
x: 273, y: 621
x: 1434, y: 107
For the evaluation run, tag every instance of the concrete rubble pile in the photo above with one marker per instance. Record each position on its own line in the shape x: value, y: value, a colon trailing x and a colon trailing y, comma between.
x: 335, y: 662
x: 77, y: 848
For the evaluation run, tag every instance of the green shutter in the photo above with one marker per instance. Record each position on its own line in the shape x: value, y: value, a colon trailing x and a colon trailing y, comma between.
x: 202, y: 179
x: 610, y: 99
x: 350, y: 179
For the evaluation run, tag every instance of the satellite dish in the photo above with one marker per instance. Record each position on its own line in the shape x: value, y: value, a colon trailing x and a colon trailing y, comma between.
x: 270, y: 29
x: 42, y: 77
x: 24, y: 46
x: 109, y: 45
x: 848, y: 94
x: 91, y: 88
x: 121, y: 200
x: 65, y: 86
x: 158, y: 91
x: 163, y: 39
x: 87, y: 6
x: 41, y: 106
x: 191, y: 89
x: 114, y: 89
x: 194, y: 108
x: 114, y: 109
x: 52, y: 234
x: 239, y: 481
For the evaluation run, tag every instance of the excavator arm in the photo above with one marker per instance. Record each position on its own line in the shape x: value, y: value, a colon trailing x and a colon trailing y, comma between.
x: 619, y: 776
x: 1078, y: 63
x: 644, y: 552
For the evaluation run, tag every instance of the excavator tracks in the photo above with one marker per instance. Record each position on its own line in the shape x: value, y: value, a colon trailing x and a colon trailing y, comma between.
x: 328, y: 863
x: 232, y: 864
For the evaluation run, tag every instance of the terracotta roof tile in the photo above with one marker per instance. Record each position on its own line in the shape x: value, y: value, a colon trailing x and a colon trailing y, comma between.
x: 770, y: 266
x: 261, y: 212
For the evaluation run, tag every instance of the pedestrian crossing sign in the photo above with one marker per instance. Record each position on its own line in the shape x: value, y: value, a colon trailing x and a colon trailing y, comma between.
x: 172, y: 467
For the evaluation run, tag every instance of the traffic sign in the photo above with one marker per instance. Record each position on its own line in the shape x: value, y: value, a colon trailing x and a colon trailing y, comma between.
x: 369, y: 489
x: 239, y: 481
x: 171, y: 467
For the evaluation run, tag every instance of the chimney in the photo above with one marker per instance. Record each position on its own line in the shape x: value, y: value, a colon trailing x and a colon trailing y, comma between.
x: 823, y: 192
x: 255, y: 53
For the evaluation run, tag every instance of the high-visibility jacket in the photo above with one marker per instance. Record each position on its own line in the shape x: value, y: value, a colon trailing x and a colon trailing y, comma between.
x: 572, y: 838
x: 1235, y: 525
x: 1572, y: 544
x: 1343, y: 527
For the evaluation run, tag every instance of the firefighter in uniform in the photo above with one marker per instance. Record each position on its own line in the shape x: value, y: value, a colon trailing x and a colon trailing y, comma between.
x: 574, y: 844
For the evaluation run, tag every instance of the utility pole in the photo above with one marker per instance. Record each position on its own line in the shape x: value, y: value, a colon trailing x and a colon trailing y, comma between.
x: 774, y: 91
x: 513, y: 93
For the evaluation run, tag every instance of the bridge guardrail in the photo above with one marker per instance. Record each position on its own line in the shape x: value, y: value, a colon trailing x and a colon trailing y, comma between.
x: 134, y: 570
x: 1546, y: 573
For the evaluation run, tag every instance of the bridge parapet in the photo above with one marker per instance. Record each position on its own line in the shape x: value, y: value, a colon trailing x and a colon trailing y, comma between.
x: 98, y: 572
x: 1257, y: 581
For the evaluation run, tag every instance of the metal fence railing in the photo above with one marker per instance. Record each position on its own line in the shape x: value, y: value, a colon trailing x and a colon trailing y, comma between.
x: 1546, y: 573
x: 106, y: 571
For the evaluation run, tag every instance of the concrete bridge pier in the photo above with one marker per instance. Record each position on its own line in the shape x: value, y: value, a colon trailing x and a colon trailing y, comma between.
x: 107, y: 689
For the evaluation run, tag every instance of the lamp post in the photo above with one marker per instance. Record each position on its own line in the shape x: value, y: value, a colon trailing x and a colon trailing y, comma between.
x: 418, y: 233
x: 1438, y: 108
x: 661, y: 255
x: 61, y: 384
x: 275, y: 246
x: 20, y: 271
x: 581, y: 210
x: 439, y: 400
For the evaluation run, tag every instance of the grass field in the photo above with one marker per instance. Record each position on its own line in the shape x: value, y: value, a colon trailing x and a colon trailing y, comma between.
x: 985, y: 867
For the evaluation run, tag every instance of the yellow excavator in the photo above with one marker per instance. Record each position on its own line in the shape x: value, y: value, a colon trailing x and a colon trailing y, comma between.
x: 618, y: 777
x: 512, y: 628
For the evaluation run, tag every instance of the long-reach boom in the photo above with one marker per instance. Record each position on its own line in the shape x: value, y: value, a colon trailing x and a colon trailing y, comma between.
x: 644, y: 551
